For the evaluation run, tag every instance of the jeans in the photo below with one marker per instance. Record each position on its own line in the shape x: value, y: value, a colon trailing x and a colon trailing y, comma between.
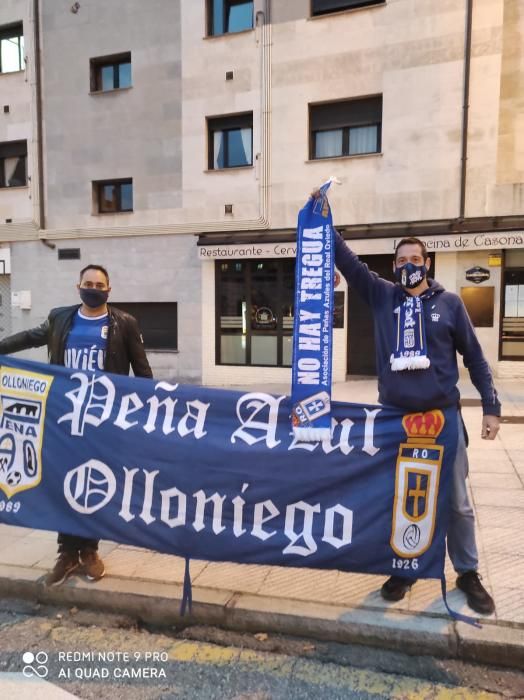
x: 72, y: 543
x: 462, y: 547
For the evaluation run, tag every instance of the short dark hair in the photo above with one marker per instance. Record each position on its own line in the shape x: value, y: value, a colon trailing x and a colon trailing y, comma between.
x: 412, y: 241
x: 95, y: 267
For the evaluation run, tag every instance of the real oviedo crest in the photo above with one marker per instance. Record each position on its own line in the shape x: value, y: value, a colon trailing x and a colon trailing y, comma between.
x: 23, y: 397
x: 416, y: 484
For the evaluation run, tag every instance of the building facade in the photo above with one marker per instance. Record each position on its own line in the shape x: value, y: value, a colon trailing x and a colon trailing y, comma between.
x: 174, y: 142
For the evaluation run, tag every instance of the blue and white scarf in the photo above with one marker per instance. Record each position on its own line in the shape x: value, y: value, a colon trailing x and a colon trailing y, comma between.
x: 411, y: 350
x: 313, y: 322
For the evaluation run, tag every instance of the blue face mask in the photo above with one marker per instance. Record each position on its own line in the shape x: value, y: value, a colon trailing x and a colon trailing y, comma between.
x: 410, y: 275
x: 93, y: 297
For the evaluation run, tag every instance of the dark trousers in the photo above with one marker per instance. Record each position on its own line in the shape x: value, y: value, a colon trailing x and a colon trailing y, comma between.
x: 72, y: 543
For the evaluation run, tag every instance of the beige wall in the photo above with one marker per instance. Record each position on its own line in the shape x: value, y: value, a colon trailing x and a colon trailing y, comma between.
x: 510, y: 155
x: 206, y: 93
x: 496, y: 130
x: 410, y: 51
x: 412, y: 54
x: 17, y: 91
x: 119, y: 134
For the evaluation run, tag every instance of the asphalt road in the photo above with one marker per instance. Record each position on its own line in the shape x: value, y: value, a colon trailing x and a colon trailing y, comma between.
x: 51, y: 653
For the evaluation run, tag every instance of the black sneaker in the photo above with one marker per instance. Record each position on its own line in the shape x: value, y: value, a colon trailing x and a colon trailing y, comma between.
x: 66, y: 563
x: 477, y: 596
x: 396, y: 587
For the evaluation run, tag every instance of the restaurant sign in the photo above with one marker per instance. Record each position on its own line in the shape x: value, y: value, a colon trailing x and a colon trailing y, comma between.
x: 453, y: 243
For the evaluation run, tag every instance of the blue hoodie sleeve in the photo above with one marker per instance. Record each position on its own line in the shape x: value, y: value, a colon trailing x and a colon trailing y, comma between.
x: 468, y: 346
x: 371, y: 287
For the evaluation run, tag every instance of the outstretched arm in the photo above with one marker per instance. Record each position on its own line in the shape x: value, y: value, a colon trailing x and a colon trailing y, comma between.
x: 368, y: 284
x: 32, y: 338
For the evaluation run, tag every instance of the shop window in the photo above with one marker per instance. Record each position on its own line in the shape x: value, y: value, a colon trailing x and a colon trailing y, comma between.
x: 345, y: 128
x: 12, y: 48
x: 230, y: 141
x: 158, y: 323
x: 111, y: 72
x: 324, y: 7
x: 13, y: 164
x: 113, y: 196
x: 479, y: 302
x: 254, y: 310
x: 512, y: 341
x: 229, y: 16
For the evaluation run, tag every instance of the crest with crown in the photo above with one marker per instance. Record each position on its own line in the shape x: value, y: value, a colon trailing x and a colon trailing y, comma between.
x: 423, y: 427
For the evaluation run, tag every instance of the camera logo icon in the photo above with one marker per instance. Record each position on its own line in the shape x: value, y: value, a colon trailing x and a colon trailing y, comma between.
x: 35, y: 664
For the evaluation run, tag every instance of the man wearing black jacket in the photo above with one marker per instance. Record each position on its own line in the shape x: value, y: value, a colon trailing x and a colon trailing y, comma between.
x: 95, y: 336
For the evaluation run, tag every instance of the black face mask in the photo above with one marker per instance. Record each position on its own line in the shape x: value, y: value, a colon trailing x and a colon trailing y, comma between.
x: 410, y: 275
x: 93, y: 297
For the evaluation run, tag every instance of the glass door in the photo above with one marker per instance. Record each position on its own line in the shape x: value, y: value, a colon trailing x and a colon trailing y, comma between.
x: 254, y: 303
x: 512, y: 338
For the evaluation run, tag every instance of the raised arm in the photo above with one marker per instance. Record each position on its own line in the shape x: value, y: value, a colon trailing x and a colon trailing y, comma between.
x: 32, y: 338
x: 368, y: 284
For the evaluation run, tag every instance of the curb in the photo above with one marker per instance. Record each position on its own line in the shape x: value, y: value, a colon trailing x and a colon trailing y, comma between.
x: 159, y: 604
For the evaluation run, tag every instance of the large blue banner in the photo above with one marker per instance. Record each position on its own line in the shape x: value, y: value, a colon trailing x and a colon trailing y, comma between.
x: 218, y: 475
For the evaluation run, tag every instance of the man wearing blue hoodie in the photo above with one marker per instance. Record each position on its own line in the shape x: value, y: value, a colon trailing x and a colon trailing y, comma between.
x: 419, y: 328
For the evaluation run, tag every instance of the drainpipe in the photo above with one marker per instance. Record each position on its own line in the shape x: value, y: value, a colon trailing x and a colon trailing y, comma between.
x: 265, y: 107
x: 39, y: 128
x: 465, y: 109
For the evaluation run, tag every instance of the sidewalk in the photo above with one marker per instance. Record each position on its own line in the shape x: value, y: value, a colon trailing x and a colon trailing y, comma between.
x: 323, y: 604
